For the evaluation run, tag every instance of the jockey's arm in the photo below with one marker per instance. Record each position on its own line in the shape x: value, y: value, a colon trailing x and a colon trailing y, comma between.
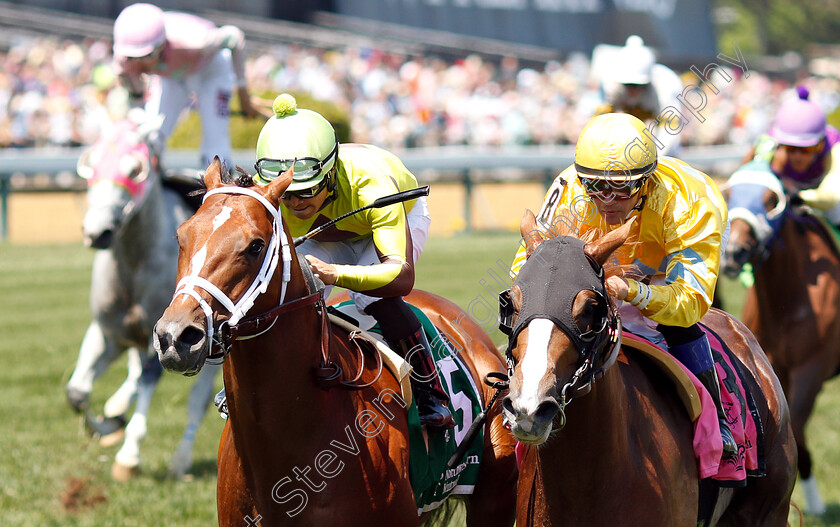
x: 232, y: 38
x: 693, y: 249
x: 394, y: 276
x: 827, y: 195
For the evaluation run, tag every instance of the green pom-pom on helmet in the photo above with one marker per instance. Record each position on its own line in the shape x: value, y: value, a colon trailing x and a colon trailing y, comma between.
x: 299, y: 137
x: 284, y: 104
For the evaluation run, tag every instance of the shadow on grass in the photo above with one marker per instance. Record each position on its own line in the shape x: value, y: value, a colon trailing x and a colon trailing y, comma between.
x: 831, y: 518
x: 201, y: 469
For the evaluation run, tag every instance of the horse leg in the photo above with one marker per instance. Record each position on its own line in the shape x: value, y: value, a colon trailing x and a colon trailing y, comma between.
x: 95, y: 355
x: 127, y: 460
x: 493, y: 502
x: 200, y: 396
x: 233, y: 499
x: 111, y: 426
x: 802, y: 396
x: 119, y: 403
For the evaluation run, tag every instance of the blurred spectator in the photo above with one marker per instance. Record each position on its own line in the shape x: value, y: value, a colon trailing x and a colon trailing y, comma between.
x: 393, y: 100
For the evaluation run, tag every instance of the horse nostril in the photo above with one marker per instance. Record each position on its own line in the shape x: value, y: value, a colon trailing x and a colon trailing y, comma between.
x: 191, y: 336
x: 103, y: 241
x: 546, y: 411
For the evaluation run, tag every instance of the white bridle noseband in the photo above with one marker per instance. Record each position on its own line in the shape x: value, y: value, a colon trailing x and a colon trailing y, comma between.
x: 188, y: 284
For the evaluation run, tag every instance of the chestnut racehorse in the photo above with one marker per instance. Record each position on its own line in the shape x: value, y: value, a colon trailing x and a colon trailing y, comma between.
x: 793, y: 307
x: 623, y: 452
x: 304, y: 443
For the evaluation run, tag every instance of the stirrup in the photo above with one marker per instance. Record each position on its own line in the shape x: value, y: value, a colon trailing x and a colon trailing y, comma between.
x: 437, y: 414
x: 730, y: 447
x: 220, y: 400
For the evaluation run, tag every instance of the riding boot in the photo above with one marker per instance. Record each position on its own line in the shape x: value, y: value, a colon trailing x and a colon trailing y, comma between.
x: 697, y: 357
x: 431, y: 398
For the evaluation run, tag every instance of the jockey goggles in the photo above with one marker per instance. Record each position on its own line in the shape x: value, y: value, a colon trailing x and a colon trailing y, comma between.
x: 307, y: 193
x: 306, y: 168
x: 618, y: 188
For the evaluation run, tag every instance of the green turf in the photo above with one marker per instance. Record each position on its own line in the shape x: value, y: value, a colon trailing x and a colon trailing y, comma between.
x: 46, y: 453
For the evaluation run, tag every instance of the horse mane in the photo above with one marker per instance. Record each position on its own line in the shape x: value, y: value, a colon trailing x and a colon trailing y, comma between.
x: 568, y: 223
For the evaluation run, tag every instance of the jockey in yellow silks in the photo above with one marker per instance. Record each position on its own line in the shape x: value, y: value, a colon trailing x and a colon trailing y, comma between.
x: 674, y: 243
x: 371, y: 253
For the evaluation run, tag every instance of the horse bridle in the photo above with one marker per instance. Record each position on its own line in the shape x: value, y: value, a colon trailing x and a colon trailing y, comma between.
x: 188, y: 284
x: 597, y: 348
x: 328, y: 373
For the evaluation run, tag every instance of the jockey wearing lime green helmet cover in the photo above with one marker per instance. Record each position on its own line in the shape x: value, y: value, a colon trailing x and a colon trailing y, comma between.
x: 674, y: 242
x: 371, y: 253
x: 184, y: 55
x: 803, y: 151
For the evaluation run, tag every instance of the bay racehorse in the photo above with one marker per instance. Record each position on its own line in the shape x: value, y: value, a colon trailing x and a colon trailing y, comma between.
x: 291, y: 407
x: 622, y: 452
x: 793, y: 307
x: 131, y: 221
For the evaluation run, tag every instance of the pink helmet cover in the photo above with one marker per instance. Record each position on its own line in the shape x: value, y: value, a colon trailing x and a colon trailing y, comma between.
x: 138, y: 30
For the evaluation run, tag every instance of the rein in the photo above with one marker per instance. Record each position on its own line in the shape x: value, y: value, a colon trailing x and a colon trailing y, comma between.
x: 238, y: 328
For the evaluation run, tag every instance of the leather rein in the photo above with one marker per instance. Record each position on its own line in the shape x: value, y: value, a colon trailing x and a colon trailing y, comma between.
x: 237, y: 327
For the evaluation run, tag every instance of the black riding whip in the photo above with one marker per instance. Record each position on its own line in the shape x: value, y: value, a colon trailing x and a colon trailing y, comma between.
x: 384, y: 201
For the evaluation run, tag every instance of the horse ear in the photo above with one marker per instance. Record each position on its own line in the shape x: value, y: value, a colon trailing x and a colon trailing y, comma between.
x: 603, y: 247
x: 213, y: 175
x: 530, y: 233
x: 274, y: 191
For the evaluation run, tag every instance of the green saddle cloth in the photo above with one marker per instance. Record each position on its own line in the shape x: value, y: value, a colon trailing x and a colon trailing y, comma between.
x: 431, y: 481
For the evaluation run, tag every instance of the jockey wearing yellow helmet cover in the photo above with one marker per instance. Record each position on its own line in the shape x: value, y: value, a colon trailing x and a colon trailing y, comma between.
x: 371, y: 253
x: 674, y: 243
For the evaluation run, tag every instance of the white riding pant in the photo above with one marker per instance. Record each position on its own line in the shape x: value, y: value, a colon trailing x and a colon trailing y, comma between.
x: 363, y: 252
x: 209, y: 91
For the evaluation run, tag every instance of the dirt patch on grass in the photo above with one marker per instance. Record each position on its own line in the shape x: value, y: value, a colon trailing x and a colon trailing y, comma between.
x: 79, y: 495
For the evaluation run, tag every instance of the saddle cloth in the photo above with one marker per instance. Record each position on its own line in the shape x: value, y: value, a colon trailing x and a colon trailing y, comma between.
x: 430, y: 450
x: 741, y: 415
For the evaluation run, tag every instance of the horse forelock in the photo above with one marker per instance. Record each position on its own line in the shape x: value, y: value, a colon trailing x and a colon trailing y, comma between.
x: 567, y: 222
x: 241, y: 179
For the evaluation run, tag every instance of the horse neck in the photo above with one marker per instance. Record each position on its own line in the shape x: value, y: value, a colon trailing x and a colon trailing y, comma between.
x: 777, y: 279
x: 596, y: 422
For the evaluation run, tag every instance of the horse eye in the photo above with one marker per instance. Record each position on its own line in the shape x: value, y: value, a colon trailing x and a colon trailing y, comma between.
x: 256, y: 247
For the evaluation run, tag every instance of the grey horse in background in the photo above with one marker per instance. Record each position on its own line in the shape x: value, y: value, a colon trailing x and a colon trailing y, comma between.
x: 131, y: 221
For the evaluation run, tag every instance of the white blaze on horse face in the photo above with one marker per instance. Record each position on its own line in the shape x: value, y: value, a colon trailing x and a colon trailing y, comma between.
x: 197, y: 261
x: 534, y: 365
x: 221, y: 218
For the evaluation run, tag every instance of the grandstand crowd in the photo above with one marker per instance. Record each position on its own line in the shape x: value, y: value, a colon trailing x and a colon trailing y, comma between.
x: 57, y: 92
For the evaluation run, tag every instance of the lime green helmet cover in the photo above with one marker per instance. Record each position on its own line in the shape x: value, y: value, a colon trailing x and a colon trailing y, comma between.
x: 299, y: 137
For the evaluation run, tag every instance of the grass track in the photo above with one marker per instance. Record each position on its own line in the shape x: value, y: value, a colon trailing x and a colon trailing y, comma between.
x: 46, y: 453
